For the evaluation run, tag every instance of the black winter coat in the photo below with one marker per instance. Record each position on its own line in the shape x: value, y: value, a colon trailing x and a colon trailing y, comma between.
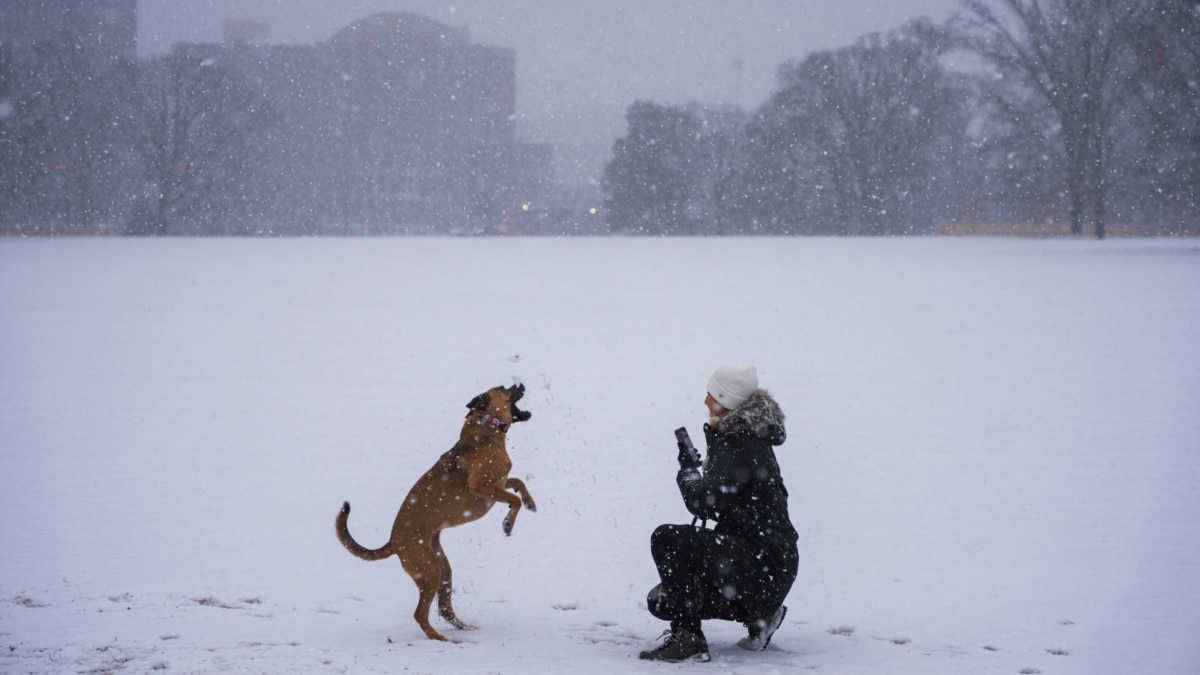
x: 741, y: 488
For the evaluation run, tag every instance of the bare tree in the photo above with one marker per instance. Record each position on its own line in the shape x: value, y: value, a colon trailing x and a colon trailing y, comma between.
x: 1073, y: 55
x: 851, y: 141
x: 198, y: 123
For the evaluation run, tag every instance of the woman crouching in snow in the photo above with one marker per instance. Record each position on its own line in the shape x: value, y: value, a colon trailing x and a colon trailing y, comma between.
x: 742, y: 569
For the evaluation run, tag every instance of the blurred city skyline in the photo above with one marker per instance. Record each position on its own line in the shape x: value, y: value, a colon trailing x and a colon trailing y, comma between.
x: 580, y: 66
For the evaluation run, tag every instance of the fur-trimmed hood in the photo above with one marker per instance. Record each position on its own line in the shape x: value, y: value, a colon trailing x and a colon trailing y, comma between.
x: 741, y: 487
x: 759, y: 416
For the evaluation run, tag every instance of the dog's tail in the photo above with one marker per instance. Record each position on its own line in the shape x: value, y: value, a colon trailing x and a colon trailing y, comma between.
x: 343, y: 533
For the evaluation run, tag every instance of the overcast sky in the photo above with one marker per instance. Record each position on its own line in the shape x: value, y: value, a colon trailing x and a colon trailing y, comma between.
x: 581, y: 63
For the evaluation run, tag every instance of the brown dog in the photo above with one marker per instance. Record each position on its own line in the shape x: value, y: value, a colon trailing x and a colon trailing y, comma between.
x: 464, y: 484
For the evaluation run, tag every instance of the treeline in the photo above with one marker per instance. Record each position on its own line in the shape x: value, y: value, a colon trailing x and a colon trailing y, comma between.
x: 171, y: 145
x: 1066, y: 114
x: 232, y: 140
x: 1079, y: 115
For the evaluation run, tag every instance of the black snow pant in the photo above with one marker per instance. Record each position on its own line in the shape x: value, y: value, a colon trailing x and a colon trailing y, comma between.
x: 706, y: 575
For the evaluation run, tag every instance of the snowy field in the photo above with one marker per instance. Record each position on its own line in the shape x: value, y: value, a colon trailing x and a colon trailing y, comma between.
x: 993, y: 449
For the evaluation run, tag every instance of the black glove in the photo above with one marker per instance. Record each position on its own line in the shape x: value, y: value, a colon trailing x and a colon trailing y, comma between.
x: 689, y: 458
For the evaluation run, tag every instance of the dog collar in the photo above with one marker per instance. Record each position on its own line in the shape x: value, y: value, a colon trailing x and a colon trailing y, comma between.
x: 494, y: 422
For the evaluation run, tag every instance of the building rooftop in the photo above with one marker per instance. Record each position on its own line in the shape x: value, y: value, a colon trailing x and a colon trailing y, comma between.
x: 400, y: 30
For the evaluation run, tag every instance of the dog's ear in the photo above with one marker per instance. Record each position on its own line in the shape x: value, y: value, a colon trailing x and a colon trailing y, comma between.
x: 479, y: 402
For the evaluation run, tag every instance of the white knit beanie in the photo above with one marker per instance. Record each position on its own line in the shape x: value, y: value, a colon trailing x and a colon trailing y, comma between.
x: 732, y: 386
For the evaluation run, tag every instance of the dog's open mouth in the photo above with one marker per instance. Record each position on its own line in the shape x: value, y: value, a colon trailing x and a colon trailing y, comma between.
x: 514, y: 394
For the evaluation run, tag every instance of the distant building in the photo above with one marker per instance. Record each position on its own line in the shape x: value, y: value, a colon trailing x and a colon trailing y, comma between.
x: 104, y: 30
x: 533, y: 167
x: 398, y: 123
x: 239, y: 31
x: 66, y: 68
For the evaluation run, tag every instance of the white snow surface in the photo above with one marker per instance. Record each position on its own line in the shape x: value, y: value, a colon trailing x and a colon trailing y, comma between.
x: 993, y: 449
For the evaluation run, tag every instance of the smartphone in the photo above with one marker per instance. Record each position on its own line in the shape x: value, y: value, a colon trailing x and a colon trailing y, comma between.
x: 681, y: 435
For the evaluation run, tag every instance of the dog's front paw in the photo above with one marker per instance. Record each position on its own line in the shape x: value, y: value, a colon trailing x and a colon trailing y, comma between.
x: 530, y: 505
x: 508, y: 523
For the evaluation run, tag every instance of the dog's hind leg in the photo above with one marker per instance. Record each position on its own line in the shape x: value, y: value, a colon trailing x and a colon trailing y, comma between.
x: 446, y: 588
x: 422, y: 565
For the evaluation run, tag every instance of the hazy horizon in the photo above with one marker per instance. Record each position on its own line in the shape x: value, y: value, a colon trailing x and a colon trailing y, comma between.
x: 580, y: 66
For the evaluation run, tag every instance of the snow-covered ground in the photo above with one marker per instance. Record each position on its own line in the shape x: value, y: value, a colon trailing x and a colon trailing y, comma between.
x: 993, y: 450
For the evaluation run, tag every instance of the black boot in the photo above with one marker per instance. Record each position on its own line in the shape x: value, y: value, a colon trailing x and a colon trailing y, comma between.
x: 678, y: 645
x: 761, y: 631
